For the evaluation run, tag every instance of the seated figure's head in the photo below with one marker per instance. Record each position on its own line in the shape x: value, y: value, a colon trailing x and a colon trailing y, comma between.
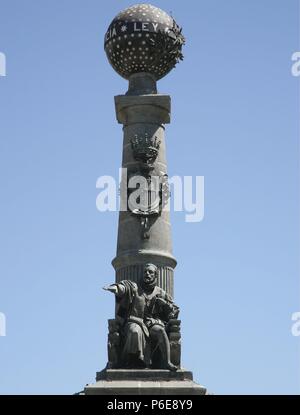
x: 150, y: 274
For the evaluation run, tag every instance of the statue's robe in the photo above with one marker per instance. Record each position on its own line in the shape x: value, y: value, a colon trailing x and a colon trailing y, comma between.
x: 138, y: 312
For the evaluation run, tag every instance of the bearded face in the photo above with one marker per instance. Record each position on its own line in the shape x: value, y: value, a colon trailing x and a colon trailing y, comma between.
x: 150, y: 275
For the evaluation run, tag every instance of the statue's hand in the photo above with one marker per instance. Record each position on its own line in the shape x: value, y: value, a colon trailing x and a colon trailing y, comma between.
x: 111, y: 288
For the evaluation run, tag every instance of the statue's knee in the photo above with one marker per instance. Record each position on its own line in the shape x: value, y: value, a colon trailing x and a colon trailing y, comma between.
x: 156, y: 330
x: 134, y: 329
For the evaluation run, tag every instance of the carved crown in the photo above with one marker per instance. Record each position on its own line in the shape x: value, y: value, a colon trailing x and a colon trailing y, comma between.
x: 145, y: 148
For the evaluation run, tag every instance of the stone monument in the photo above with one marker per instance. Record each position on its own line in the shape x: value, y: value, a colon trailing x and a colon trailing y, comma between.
x: 143, y: 44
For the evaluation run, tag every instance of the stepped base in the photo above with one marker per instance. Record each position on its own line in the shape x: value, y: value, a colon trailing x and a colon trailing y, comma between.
x: 144, y: 382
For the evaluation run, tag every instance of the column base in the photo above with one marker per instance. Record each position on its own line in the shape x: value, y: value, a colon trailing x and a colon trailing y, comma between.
x: 144, y: 382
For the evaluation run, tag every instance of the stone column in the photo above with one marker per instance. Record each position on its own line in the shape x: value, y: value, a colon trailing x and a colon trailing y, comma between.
x: 143, y: 239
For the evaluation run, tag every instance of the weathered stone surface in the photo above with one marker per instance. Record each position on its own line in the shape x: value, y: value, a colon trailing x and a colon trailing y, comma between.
x: 143, y: 108
x: 144, y: 382
x: 144, y: 374
x: 144, y: 116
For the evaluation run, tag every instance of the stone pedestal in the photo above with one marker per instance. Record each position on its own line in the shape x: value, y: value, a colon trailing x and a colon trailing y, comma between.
x: 144, y: 382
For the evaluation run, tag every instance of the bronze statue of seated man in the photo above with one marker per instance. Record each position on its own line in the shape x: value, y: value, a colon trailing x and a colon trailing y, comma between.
x: 144, y: 310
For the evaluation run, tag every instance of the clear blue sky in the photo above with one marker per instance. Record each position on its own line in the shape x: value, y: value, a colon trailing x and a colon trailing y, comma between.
x: 235, y: 111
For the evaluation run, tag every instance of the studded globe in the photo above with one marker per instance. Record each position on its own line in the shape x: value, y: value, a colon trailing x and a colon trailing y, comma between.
x: 143, y: 38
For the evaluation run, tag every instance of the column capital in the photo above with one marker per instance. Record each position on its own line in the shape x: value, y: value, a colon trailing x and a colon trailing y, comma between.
x: 154, y: 109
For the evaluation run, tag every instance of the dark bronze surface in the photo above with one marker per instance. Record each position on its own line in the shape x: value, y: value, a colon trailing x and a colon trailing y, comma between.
x: 143, y: 38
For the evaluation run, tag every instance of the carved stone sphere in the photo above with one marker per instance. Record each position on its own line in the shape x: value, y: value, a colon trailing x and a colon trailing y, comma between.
x: 143, y: 38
